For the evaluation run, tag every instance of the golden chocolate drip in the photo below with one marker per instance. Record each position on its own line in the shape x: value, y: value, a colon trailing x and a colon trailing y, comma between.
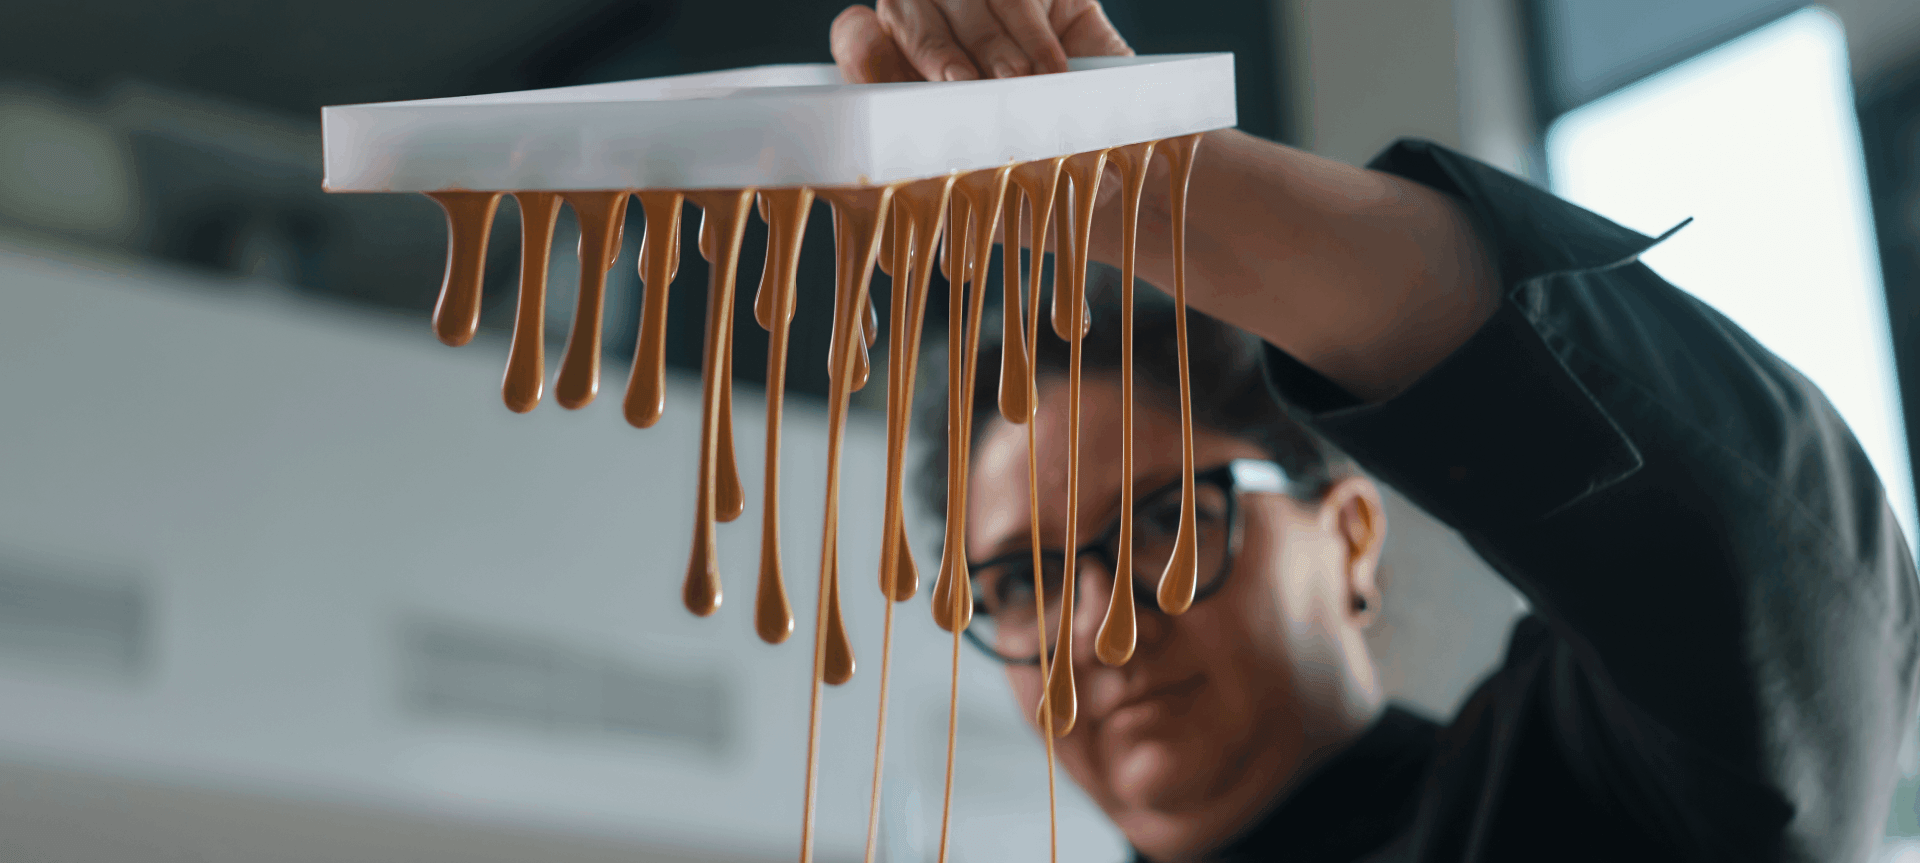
x: 1036, y: 181
x: 1177, y: 583
x: 917, y: 219
x: 599, y: 214
x: 982, y: 191
x: 858, y: 215
x: 1060, y: 192
x: 526, y: 375
x: 1064, y: 234
x: 456, y: 316
x: 659, y: 261
x: 1015, y: 406
x: 1114, y: 643
x: 730, y: 498
x: 785, y: 211
x: 1084, y: 169
x: 726, y: 215
x: 924, y: 204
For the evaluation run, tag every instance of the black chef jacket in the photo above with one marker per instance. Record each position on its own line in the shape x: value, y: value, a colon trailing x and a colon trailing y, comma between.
x: 1722, y: 652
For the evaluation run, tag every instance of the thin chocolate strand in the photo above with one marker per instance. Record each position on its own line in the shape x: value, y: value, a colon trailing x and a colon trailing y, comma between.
x: 1183, y: 568
x: 857, y: 212
x: 785, y: 211
x: 1115, y: 640
x: 1085, y: 169
x: 729, y: 209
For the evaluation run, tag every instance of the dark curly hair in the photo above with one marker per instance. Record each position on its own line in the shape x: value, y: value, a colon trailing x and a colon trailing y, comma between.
x: 1229, y: 387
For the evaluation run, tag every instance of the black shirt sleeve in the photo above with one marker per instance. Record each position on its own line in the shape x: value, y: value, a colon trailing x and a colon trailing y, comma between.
x: 1724, y: 649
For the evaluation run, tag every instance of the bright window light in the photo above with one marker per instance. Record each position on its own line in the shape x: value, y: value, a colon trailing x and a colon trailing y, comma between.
x: 1759, y: 142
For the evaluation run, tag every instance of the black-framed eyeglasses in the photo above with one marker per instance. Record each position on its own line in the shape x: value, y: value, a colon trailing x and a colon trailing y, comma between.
x: 1005, y: 624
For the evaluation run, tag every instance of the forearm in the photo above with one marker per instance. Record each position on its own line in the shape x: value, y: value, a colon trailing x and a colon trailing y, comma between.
x: 1367, y: 278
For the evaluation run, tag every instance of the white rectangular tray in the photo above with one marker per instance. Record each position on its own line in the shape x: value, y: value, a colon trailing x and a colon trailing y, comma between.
x: 767, y: 126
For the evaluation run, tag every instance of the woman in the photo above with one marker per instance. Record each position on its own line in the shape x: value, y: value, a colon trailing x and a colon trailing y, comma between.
x: 1722, y: 655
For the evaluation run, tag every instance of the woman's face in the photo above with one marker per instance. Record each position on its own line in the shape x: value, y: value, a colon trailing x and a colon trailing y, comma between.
x: 1201, y: 732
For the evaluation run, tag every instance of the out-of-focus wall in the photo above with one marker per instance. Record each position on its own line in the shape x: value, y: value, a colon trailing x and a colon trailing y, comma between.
x: 262, y: 554
x: 1364, y: 73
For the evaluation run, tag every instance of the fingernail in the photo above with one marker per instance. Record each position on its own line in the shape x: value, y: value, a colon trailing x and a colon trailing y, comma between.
x: 958, y: 72
x: 1003, y: 69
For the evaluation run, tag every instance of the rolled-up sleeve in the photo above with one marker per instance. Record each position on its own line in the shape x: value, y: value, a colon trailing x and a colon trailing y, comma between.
x: 1731, y: 607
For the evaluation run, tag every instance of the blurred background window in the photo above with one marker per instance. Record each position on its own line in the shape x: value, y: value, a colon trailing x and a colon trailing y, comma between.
x: 1757, y: 140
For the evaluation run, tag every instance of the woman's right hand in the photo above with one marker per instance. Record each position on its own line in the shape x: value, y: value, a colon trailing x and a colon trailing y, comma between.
x: 965, y: 40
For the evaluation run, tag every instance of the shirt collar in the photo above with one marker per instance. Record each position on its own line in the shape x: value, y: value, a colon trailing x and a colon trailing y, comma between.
x: 1351, y: 805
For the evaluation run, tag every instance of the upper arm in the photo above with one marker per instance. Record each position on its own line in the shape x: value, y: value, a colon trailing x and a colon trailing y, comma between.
x: 1688, y: 514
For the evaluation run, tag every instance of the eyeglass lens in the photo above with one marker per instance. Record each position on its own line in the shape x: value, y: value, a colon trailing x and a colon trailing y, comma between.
x: 1005, y: 620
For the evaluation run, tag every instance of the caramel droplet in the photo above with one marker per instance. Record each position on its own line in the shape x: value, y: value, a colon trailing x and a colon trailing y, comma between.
x: 659, y: 259
x: 725, y: 213
x: 983, y: 192
x: 701, y: 591
x: 906, y: 574
x: 772, y: 614
x: 1115, y: 641
x: 858, y: 215
x: 837, y: 667
x: 766, y: 298
x: 1084, y: 169
x: 456, y: 316
x: 923, y: 205
x: 526, y: 375
x: 1176, y: 589
x: 785, y: 212
x: 600, y: 214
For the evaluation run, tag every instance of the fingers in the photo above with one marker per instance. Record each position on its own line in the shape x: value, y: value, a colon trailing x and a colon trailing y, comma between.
x: 964, y: 40
x: 1027, y: 24
x: 865, y: 52
x: 920, y: 30
x: 1085, y: 31
x: 985, y: 39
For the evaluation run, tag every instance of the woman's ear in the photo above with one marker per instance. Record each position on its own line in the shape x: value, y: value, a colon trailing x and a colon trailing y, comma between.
x: 1353, y: 512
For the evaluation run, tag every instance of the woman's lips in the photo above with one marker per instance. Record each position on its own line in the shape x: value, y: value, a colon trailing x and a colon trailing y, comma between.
x: 1149, y: 702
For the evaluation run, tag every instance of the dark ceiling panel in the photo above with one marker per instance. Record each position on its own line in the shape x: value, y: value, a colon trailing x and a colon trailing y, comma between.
x: 1584, y: 49
x: 290, y: 56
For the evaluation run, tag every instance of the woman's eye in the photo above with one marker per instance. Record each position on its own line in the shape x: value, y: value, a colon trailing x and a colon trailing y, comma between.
x: 1011, y: 586
x: 1161, y: 516
x: 1210, y: 506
